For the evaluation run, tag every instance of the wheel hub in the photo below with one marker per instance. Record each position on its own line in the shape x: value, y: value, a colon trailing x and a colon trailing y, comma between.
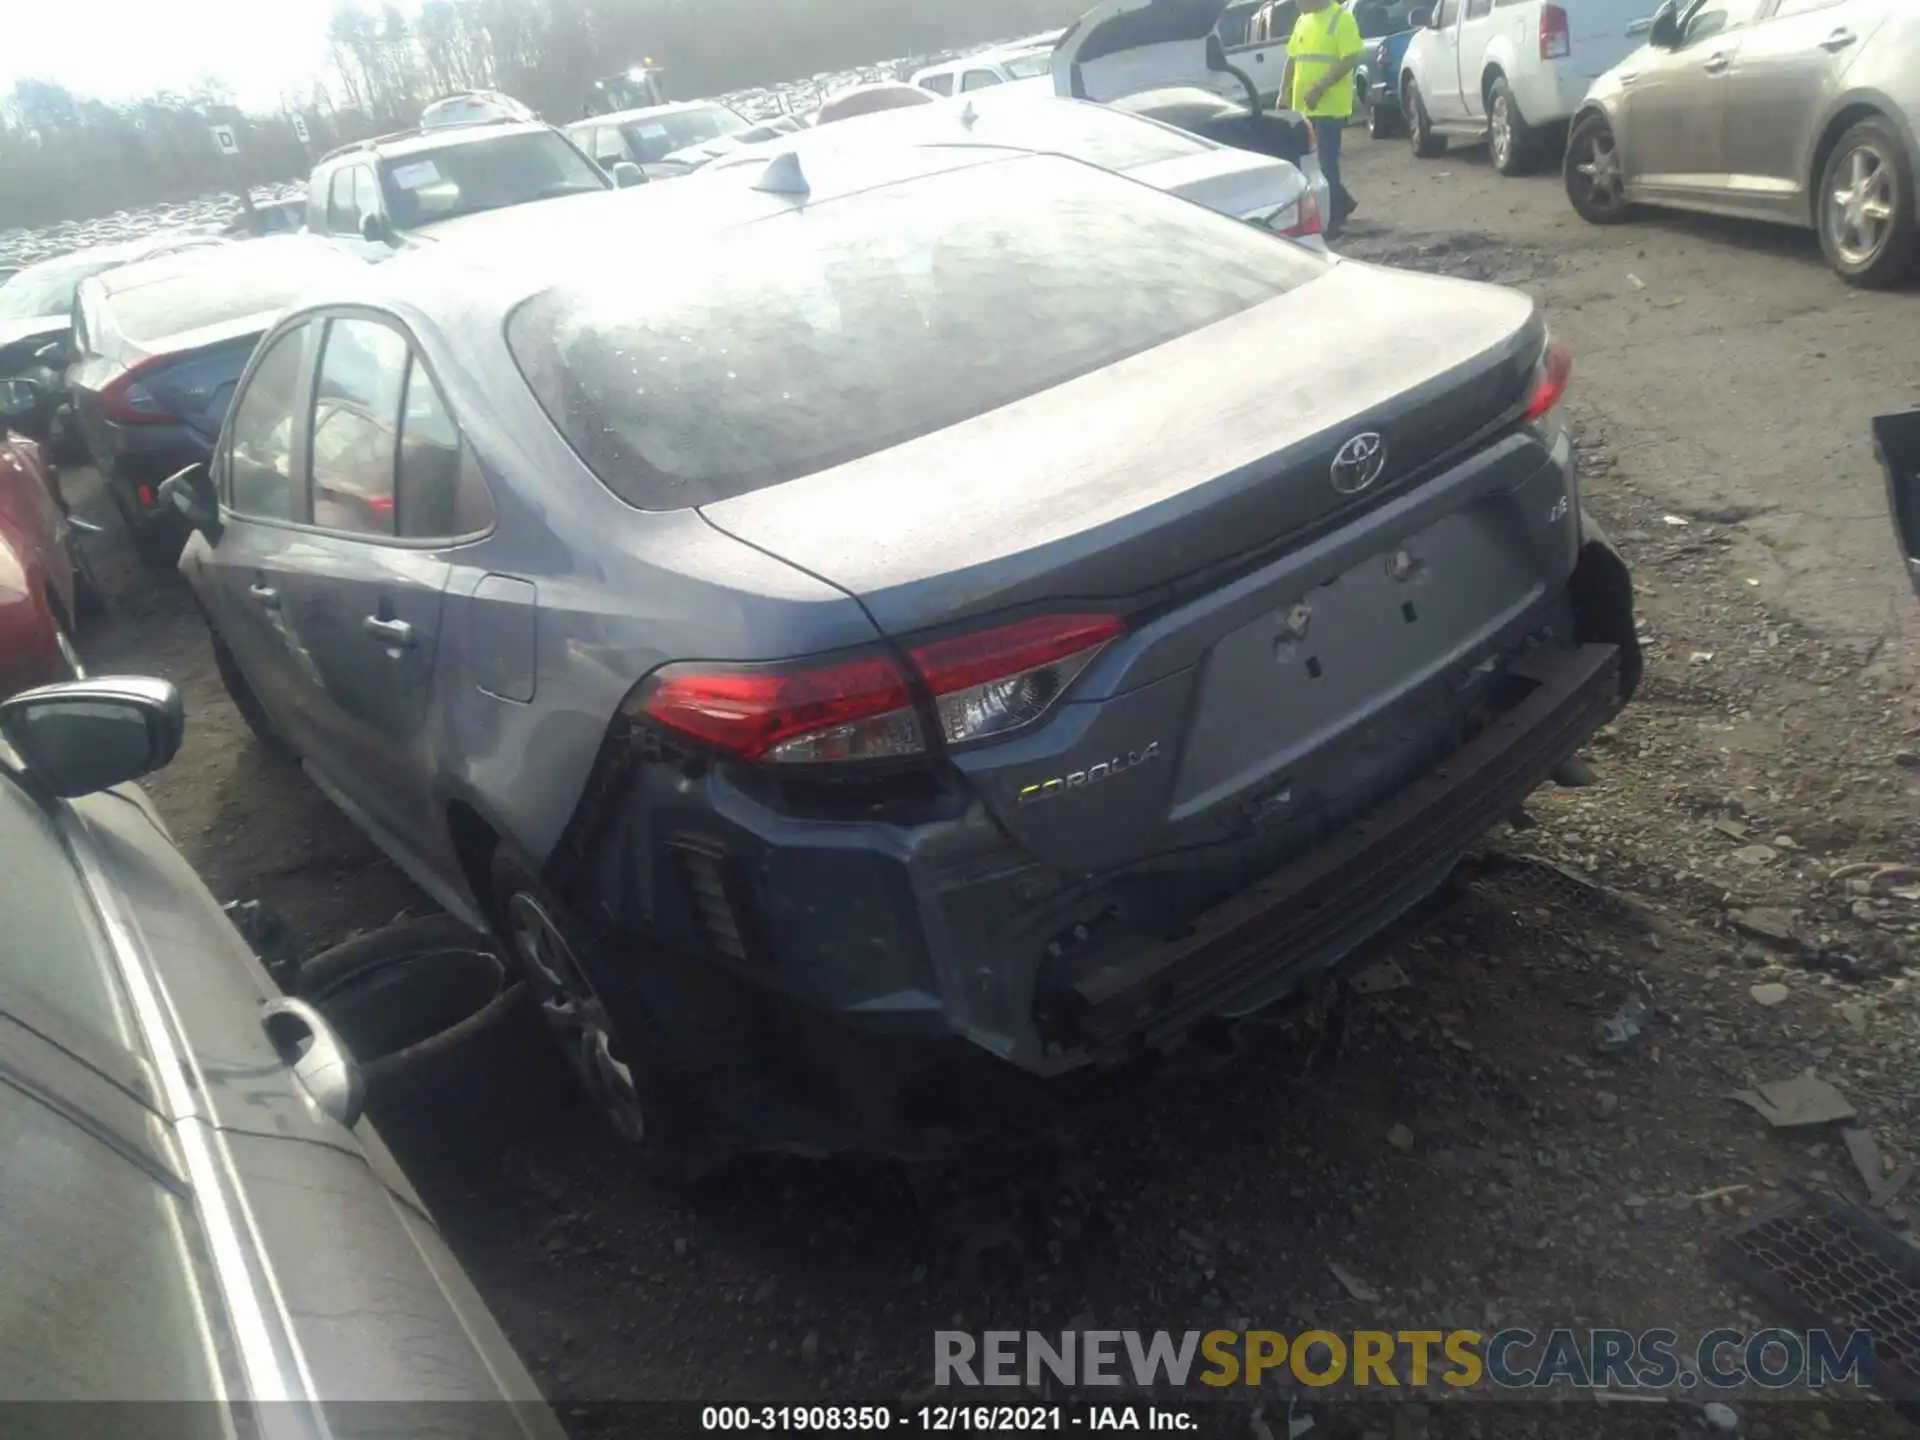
x: 1601, y: 169
x: 577, y: 1016
x: 1860, y: 207
x: 1502, y: 129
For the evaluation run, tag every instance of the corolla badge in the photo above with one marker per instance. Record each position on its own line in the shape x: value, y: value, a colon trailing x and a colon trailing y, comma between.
x: 1092, y: 775
x: 1358, y: 463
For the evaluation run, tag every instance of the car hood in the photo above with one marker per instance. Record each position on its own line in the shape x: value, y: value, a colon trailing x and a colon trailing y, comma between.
x: 1124, y: 46
x: 1234, y: 182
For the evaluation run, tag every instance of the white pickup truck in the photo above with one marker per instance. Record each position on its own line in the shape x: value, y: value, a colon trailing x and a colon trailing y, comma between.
x: 1509, y: 73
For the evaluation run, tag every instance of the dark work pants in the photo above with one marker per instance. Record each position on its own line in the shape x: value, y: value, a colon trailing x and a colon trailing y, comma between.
x: 1327, y: 130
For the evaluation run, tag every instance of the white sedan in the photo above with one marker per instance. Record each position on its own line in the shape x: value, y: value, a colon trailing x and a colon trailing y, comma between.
x: 1261, y: 189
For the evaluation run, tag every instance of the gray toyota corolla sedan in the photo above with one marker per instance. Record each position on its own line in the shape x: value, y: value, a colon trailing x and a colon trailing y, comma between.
x: 905, y: 615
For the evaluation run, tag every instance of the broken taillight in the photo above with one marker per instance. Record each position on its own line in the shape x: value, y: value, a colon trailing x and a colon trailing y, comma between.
x: 1550, y: 380
x: 862, y: 707
x: 1307, y: 219
x: 1555, y: 43
x: 126, y: 401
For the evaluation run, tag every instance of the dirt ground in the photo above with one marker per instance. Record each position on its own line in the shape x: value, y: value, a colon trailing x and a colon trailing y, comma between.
x: 1459, y: 1145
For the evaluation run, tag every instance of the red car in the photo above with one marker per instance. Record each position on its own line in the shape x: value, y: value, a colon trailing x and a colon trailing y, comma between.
x: 40, y: 584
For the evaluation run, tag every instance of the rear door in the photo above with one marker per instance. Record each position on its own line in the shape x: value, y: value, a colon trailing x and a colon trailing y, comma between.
x: 365, y: 598
x: 243, y: 580
x: 1478, y: 21
x: 1439, y: 72
x: 1789, y: 65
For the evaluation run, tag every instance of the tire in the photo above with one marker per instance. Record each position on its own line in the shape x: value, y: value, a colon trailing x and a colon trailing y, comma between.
x: 1514, y: 144
x: 430, y: 1010
x: 1383, y: 122
x: 1420, y: 133
x: 158, y: 543
x: 245, y: 700
x: 634, y: 1069
x: 1865, y: 208
x: 1595, y: 183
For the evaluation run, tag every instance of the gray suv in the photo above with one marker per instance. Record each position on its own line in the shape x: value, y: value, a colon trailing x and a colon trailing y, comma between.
x: 952, y: 618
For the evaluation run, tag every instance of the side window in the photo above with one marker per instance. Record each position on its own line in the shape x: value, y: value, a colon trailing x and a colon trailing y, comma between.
x: 938, y: 84
x: 1445, y: 13
x: 260, y: 434
x: 356, y: 409
x: 343, y: 211
x: 1478, y: 8
x: 366, y: 191
x: 441, y: 495
x: 610, y: 146
x: 1703, y: 23
x: 978, y: 80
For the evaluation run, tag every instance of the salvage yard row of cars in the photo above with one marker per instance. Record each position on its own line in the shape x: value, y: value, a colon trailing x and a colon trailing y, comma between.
x: 852, y: 744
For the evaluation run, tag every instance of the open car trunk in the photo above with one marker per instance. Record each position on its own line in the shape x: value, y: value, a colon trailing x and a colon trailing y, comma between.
x: 1125, y: 46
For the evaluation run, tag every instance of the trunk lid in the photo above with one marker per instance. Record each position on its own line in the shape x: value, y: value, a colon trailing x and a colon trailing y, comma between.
x: 1191, y: 489
x: 1234, y: 182
x: 1119, y: 484
x: 194, y: 374
x: 1126, y: 46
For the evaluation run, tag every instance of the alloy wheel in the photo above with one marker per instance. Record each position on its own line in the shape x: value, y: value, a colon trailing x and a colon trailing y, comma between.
x: 1502, y: 127
x: 1860, y: 207
x: 1600, y: 169
x: 576, y: 1015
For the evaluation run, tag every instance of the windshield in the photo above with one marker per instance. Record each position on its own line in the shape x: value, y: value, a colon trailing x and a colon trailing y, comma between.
x: 659, y: 136
x: 47, y: 288
x: 1029, y: 66
x: 803, y: 342
x: 463, y: 179
x: 213, y: 294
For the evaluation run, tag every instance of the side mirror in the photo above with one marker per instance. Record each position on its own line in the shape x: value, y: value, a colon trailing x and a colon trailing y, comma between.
x: 190, y: 491
x: 82, y: 736
x: 375, y: 230
x: 1420, y: 19
x: 325, y: 1068
x: 625, y: 173
x: 17, y: 398
x: 1896, y: 443
x: 1664, y: 31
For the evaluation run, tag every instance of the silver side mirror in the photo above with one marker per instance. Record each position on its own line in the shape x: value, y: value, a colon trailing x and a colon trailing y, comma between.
x: 83, y: 736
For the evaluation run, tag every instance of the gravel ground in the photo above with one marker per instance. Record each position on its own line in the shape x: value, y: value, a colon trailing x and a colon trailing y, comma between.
x: 1459, y: 1145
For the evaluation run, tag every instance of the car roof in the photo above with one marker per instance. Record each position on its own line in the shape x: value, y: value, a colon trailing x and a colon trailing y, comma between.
x: 412, y: 142
x: 647, y: 112
x: 126, y: 251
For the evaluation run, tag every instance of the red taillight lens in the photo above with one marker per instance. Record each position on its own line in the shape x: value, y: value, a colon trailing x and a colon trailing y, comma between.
x: 145, y: 495
x: 1550, y: 379
x: 984, y: 684
x: 128, y: 402
x: 1307, y: 217
x: 1554, y: 41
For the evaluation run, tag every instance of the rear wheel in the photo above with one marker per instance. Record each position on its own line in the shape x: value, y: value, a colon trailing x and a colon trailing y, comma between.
x: 1866, y: 208
x: 1383, y: 121
x: 1420, y: 133
x: 1595, y: 181
x: 1515, y: 145
x: 620, y: 1053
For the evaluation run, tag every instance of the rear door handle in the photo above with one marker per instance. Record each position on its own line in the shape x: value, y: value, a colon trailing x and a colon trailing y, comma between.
x: 1717, y: 62
x: 1839, y: 39
x: 389, y: 632
x: 268, y: 597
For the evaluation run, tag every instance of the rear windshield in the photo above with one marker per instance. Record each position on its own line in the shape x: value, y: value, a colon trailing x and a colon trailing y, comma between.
x: 1030, y: 66
x: 47, y: 289
x: 1080, y: 131
x: 231, y: 288
x: 811, y: 339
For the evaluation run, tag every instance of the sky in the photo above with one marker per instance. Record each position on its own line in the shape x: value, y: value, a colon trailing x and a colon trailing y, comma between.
x: 119, y: 49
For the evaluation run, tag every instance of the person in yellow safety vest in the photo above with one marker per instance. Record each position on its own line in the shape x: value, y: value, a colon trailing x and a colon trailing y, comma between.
x: 1321, y: 55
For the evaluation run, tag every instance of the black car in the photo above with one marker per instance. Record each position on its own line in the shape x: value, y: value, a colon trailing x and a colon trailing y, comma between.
x: 192, y: 1206
x: 1896, y: 441
x: 158, y: 347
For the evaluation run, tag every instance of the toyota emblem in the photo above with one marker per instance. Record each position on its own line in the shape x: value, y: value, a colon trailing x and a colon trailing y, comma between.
x: 1358, y: 463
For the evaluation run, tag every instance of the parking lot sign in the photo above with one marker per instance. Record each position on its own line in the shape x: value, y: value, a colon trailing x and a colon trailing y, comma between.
x: 224, y: 138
